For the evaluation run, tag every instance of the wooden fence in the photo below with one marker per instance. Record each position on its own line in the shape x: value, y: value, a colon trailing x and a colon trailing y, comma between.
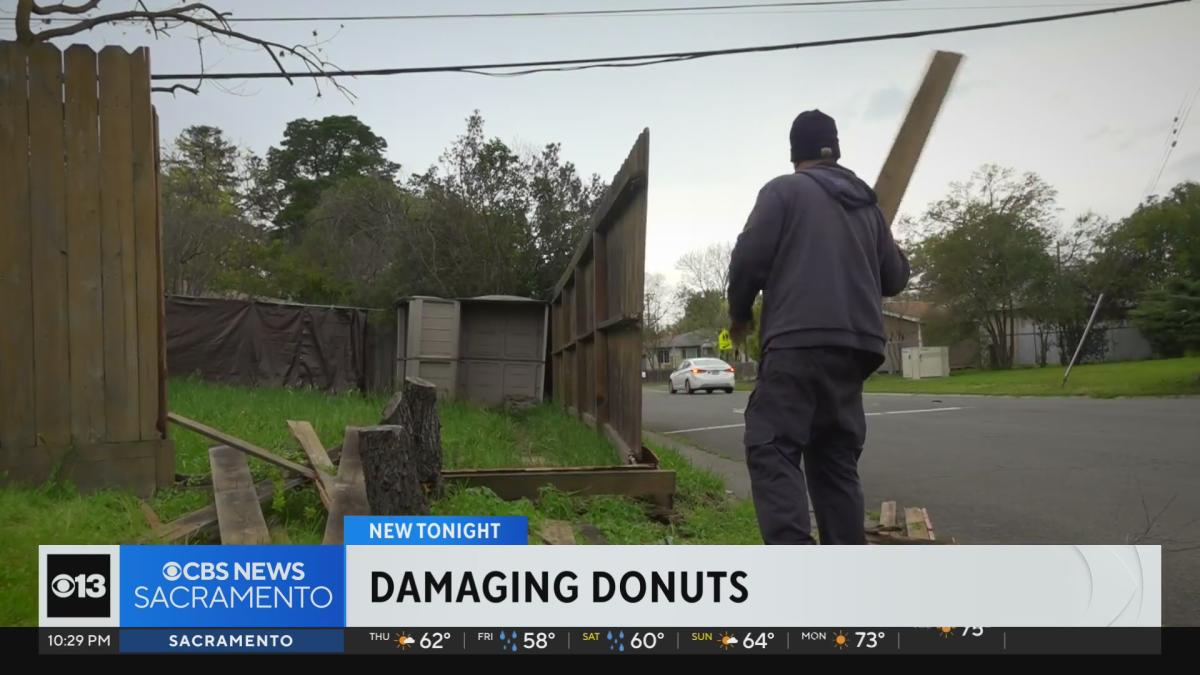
x: 596, y: 313
x: 82, y: 391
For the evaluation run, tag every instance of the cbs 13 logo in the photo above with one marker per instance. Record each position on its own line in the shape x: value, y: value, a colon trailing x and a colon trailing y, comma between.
x: 77, y: 585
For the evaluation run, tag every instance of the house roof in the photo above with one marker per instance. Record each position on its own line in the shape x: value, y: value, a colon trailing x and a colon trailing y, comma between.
x: 917, y: 310
x: 902, y: 317
x: 696, y: 338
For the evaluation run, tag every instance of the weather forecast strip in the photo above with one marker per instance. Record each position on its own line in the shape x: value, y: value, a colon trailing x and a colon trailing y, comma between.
x: 609, y: 640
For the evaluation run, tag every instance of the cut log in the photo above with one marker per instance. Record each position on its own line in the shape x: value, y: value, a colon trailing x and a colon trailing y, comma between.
x: 390, y: 472
x: 239, y: 444
x: 239, y: 515
x: 414, y: 408
x: 349, y: 492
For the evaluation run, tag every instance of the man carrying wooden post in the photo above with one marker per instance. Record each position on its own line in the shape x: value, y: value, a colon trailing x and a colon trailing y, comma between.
x: 819, y: 248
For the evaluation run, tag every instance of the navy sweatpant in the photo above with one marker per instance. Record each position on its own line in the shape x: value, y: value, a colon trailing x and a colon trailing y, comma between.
x: 806, y: 416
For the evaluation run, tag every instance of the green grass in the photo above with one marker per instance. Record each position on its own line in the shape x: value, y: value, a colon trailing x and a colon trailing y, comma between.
x: 704, y: 514
x: 1164, y: 377
x: 56, y: 514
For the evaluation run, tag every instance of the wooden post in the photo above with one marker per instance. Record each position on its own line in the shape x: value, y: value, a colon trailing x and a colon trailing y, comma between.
x: 389, y: 473
x: 910, y: 141
x: 599, y: 316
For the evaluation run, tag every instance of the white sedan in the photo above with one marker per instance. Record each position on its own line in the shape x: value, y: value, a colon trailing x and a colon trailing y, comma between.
x: 702, y: 375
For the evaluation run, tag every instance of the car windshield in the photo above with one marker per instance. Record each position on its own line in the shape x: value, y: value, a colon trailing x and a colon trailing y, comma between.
x: 709, y: 363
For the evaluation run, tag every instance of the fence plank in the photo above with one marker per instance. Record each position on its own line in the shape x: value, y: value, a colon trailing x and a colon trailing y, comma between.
x: 47, y: 180
x: 85, y: 299
x: 910, y: 141
x: 118, y: 272
x: 166, y: 457
x: 17, y: 422
x: 239, y: 515
x: 145, y: 222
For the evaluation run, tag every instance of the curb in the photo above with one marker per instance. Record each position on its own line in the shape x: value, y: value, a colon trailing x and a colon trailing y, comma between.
x: 734, y: 473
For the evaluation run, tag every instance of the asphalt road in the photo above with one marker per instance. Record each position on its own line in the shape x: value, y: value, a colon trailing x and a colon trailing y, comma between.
x: 1001, y: 470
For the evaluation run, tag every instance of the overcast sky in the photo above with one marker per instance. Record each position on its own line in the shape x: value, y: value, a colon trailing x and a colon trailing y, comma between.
x: 1087, y: 103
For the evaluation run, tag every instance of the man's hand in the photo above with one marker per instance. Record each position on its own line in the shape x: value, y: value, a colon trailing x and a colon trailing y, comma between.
x: 739, y: 330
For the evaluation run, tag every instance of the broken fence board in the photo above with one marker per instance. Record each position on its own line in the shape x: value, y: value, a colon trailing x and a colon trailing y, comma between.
x: 239, y: 515
x: 656, y: 484
x: 244, y: 446
x: 887, y: 514
x: 203, y: 519
x: 914, y: 523
x: 317, y: 457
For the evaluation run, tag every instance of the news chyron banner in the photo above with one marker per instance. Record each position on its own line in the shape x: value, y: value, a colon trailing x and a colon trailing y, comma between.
x: 471, y: 580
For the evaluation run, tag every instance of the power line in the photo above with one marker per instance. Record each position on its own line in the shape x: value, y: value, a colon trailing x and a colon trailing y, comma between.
x: 538, y: 14
x: 633, y: 61
x: 827, y: 6
x: 1177, y: 126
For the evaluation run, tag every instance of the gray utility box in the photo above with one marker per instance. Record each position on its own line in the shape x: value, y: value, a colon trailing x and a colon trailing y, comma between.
x: 490, y: 350
x: 921, y: 362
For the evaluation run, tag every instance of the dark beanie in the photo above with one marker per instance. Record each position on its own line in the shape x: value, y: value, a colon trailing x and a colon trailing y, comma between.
x: 814, y: 132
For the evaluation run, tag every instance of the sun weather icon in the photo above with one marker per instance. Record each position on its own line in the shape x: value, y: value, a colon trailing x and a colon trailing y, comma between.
x: 508, y: 640
x: 839, y: 640
x: 726, y: 641
x: 945, y: 632
x: 403, y: 641
x: 616, y: 643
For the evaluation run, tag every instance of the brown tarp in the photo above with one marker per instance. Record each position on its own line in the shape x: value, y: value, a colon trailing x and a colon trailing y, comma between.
x: 261, y: 343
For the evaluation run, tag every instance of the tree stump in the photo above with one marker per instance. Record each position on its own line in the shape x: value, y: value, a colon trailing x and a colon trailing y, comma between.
x: 414, y: 408
x: 389, y: 472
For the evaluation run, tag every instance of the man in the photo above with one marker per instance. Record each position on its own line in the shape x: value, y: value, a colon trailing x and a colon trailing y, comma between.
x: 817, y: 246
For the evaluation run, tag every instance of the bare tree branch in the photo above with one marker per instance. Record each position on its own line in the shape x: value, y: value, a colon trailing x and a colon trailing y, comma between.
x: 64, y: 8
x: 182, y: 14
x: 24, y: 12
x: 191, y: 89
x: 198, y: 14
x: 171, y: 89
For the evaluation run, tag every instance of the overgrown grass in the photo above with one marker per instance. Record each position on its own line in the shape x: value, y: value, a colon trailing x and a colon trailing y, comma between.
x: 478, y: 439
x: 472, y: 437
x: 1163, y: 377
x: 53, y: 515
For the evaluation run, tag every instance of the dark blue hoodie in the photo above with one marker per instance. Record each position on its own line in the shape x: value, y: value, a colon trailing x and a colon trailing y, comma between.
x: 817, y: 246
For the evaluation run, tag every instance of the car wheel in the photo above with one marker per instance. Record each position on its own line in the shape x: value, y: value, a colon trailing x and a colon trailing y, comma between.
x: 670, y: 385
x: 729, y: 390
x: 687, y: 387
